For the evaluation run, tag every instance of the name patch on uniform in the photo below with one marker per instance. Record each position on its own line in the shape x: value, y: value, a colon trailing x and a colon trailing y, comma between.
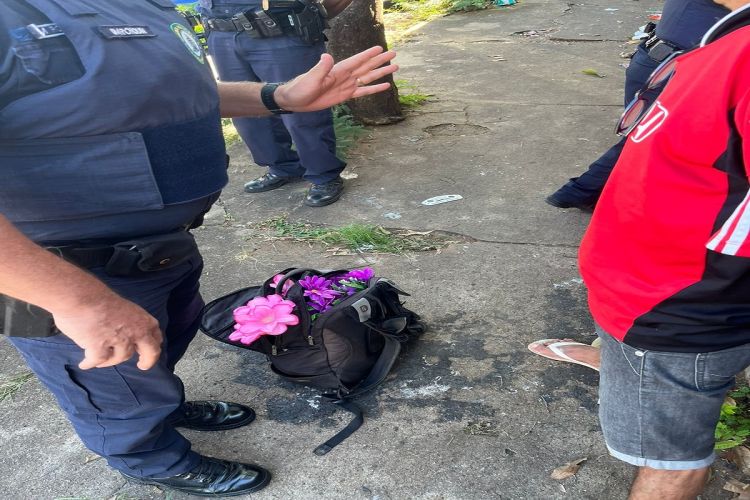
x: 110, y: 32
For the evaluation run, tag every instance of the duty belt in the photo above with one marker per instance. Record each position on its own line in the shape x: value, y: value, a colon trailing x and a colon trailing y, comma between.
x: 132, y: 257
x: 233, y: 24
x: 308, y: 21
x: 257, y: 24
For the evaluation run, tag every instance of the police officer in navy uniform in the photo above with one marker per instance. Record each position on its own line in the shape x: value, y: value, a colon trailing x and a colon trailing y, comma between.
x: 276, y: 40
x: 682, y: 25
x: 110, y: 151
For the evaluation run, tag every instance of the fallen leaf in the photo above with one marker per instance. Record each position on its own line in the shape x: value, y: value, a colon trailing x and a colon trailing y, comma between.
x: 568, y: 470
x: 91, y: 458
x: 592, y: 72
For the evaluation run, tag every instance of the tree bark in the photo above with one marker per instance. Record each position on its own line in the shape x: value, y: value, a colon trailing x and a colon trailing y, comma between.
x: 359, y: 27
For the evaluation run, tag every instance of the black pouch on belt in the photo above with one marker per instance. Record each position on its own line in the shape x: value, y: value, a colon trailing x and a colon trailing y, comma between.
x: 152, y: 253
x: 21, y: 319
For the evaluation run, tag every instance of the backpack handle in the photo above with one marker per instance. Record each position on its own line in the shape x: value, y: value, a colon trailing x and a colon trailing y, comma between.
x: 291, y: 274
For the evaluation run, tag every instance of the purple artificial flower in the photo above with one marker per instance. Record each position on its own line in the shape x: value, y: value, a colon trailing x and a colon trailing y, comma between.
x: 320, y: 306
x: 318, y: 289
x: 363, y: 274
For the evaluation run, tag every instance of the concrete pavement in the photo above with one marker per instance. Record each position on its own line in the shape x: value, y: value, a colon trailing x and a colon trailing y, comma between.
x: 468, y: 413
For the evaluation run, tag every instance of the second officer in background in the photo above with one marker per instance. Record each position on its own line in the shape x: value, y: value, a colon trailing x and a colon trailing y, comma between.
x: 274, y: 42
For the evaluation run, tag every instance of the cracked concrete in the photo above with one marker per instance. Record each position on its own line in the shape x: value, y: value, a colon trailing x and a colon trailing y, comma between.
x: 511, y: 119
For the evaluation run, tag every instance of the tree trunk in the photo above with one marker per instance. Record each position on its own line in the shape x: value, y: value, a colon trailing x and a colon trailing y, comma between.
x: 359, y: 27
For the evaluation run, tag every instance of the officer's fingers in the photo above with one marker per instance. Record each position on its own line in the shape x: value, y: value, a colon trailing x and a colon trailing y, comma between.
x: 377, y: 74
x: 148, y: 352
x: 118, y: 354
x: 358, y: 60
x: 93, y: 357
x: 371, y: 89
x: 375, y: 62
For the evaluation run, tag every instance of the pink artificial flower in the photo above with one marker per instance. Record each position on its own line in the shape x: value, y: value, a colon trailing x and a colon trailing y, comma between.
x: 275, y: 283
x: 270, y: 315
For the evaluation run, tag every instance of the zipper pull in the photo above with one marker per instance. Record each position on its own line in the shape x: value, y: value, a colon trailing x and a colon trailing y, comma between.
x: 274, y: 350
x: 310, y: 340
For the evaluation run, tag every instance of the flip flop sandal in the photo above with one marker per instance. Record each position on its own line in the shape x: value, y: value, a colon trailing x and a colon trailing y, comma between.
x: 555, y: 346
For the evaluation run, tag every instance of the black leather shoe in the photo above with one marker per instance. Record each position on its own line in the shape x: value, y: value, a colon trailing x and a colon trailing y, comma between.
x: 214, y: 478
x: 320, y: 195
x: 213, y: 415
x: 559, y: 202
x: 562, y: 199
x: 265, y: 182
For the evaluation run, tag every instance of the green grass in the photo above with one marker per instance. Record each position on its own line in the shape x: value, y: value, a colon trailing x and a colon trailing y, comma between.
x: 357, y: 238
x: 11, y: 386
x: 421, y: 10
x: 733, y: 428
x: 231, y: 137
x: 409, y: 95
x: 404, y: 14
x: 348, y: 132
x: 469, y: 5
x: 188, y: 8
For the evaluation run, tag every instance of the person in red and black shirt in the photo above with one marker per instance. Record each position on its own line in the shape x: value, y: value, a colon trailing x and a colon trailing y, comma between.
x: 666, y: 260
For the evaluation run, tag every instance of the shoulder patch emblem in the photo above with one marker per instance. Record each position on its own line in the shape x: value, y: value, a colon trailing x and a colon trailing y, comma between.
x: 190, y: 41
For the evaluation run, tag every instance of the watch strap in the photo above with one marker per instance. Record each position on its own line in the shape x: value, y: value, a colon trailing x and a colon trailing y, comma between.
x: 266, y: 97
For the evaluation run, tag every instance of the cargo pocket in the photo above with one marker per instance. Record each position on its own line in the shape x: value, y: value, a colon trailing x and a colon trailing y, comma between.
x: 99, y: 390
x: 76, y: 178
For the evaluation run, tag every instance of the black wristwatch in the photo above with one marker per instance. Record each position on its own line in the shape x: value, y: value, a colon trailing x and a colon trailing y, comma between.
x: 266, y: 96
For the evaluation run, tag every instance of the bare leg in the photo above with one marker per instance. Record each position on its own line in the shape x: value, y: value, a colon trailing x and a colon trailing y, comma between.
x: 651, y: 483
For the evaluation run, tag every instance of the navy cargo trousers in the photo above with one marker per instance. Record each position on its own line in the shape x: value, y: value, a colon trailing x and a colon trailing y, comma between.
x: 238, y: 57
x: 123, y: 413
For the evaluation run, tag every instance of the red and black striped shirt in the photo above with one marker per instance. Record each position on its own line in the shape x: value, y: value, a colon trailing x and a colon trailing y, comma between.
x: 666, y: 257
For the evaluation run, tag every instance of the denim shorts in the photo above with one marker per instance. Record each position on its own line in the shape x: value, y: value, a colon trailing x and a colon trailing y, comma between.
x: 660, y: 409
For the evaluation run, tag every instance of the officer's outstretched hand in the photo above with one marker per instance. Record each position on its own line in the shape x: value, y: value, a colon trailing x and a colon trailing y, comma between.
x: 110, y: 331
x: 328, y: 84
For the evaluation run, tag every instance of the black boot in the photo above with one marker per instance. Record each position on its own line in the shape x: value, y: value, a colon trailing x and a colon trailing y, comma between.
x: 213, y: 478
x: 212, y: 415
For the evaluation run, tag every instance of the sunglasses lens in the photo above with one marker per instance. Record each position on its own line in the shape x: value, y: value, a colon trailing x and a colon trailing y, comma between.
x: 662, y: 74
x: 631, y: 116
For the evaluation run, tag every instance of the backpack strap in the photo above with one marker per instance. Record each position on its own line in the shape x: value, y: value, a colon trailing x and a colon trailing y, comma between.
x: 380, y: 369
x: 347, y: 431
x: 378, y: 373
x: 394, y: 329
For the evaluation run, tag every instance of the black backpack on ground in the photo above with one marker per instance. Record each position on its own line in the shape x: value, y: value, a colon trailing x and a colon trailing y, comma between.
x: 348, y: 350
